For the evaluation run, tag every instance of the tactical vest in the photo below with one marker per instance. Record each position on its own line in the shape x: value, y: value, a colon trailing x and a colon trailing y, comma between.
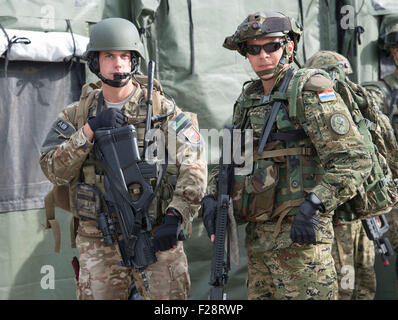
x: 64, y: 197
x: 287, y: 169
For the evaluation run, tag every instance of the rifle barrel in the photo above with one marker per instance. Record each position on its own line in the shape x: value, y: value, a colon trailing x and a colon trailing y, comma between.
x: 148, y: 121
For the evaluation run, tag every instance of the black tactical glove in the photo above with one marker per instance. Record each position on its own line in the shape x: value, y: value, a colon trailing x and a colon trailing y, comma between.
x: 209, y: 208
x: 168, y: 233
x: 305, y: 222
x: 108, y: 118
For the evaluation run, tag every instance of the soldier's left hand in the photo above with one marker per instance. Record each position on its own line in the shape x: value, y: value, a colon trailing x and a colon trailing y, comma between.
x: 304, y: 224
x: 166, y: 236
x: 209, y: 207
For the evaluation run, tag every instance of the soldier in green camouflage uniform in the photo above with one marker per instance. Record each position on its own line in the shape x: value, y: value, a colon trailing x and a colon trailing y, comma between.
x: 386, y: 92
x: 308, y: 168
x: 391, y: 80
x: 68, y: 158
x: 353, y: 252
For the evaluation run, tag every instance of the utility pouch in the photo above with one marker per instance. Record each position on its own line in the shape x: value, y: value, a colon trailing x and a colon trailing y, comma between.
x: 253, y: 196
x: 88, y: 201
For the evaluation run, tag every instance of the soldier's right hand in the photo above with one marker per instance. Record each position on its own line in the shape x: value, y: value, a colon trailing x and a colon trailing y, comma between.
x: 306, y: 221
x: 209, y: 209
x: 108, y: 118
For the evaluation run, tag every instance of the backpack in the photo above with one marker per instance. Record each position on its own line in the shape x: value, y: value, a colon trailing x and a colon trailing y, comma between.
x: 379, y: 193
x: 381, y: 95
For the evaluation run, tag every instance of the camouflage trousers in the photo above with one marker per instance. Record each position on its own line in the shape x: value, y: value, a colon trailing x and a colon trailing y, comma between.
x: 392, y: 234
x: 354, y: 257
x: 100, y: 278
x: 285, y: 271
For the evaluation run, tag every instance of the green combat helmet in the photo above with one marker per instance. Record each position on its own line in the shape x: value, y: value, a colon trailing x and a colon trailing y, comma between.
x: 332, y: 62
x: 114, y: 34
x: 265, y: 25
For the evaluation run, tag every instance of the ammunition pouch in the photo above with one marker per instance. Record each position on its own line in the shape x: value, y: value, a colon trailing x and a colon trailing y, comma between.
x: 87, y: 201
x: 253, y: 196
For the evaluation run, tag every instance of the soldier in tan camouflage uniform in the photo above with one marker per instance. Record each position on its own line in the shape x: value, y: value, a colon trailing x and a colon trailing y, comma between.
x: 353, y: 252
x: 308, y: 168
x: 68, y: 158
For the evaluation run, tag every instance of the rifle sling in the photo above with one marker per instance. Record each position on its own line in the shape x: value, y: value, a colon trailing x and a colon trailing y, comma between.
x: 292, y: 135
x: 274, y: 112
x: 284, y: 152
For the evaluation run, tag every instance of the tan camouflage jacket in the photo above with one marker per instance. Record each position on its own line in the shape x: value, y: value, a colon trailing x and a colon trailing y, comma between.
x: 67, y: 150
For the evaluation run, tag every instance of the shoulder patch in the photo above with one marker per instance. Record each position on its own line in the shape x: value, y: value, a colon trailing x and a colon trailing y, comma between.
x: 59, y: 132
x: 180, y: 122
x: 327, y: 95
x: 318, y: 83
x: 340, y: 123
x: 192, y: 134
x: 63, y: 127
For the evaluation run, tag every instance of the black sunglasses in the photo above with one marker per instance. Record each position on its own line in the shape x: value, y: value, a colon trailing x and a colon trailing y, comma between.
x: 269, y: 47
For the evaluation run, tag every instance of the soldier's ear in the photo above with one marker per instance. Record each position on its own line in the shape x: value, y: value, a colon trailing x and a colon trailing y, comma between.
x: 290, y: 46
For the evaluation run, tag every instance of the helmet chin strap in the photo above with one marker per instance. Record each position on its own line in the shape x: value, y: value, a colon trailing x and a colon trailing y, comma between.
x: 282, y: 61
x: 118, y: 78
x: 274, y: 71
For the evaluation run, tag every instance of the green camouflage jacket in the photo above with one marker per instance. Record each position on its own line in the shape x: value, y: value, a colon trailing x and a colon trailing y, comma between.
x: 392, y: 81
x: 338, y: 163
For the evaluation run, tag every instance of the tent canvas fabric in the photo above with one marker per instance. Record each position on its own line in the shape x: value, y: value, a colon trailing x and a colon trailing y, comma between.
x: 33, y: 93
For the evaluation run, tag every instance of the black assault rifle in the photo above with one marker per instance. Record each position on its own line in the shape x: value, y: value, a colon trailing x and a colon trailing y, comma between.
x: 220, y: 265
x: 118, y: 154
x: 376, y: 228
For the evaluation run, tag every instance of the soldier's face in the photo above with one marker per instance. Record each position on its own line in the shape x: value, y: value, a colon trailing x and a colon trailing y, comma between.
x: 264, y: 60
x: 394, y: 53
x: 116, y: 61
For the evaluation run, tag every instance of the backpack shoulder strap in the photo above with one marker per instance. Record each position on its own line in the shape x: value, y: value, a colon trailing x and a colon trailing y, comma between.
x: 306, y: 79
x: 89, y: 91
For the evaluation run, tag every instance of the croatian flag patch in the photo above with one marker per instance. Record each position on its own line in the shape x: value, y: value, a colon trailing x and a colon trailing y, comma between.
x: 192, y: 134
x: 327, y: 95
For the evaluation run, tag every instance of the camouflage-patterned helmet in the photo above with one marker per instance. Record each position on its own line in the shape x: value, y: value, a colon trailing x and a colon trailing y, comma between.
x: 263, y: 25
x: 115, y: 34
x: 391, y: 38
x: 330, y: 61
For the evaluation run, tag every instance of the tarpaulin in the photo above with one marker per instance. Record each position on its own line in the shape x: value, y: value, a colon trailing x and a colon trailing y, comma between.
x: 41, y: 46
x: 32, y: 94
